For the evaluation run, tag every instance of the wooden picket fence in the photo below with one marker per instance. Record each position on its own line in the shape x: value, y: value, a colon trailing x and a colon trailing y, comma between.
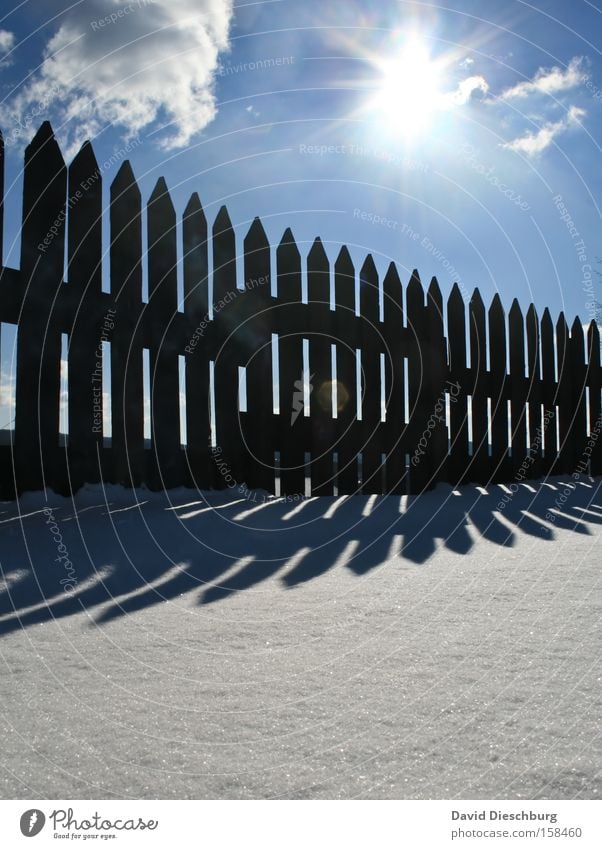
x: 447, y: 392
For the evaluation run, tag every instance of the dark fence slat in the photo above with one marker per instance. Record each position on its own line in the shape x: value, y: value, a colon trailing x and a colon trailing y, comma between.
x: 292, y: 323
x: 564, y: 392
x: 90, y: 326
x: 435, y: 357
x: 578, y: 427
x: 162, y: 312
x: 518, y: 393
x: 196, y: 349
x: 458, y: 412
x: 499, y: 407
x: 371, y: 347
x: 39, y: 336
x: 538, y: 423
x: 227, y: 312
x: 594, y: 380
x: 418, y: 400
x: 256, y: 332
x: 346, y: 365
x: 127, y: 392
x: 322, y: 424
x: 479, y: 468
x: 394, y: 428
x: 548, y: 373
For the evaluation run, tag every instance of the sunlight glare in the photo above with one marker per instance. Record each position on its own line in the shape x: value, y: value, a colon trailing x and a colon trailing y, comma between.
x: 409, y: 91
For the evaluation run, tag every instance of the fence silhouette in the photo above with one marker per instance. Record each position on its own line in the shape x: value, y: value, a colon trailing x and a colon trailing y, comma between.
x: 413, y: 393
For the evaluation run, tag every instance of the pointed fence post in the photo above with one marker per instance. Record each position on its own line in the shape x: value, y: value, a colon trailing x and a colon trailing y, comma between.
x: 564, y: 399
x: 548, y: 378
x: 293, y: 434
x: 320, y: 371
x: 346, y: 324
x: 458, y: 409
x: 394, y: 427
x: 518, y: 387
x: 227, y: 315
x: 162, y: 317
x: 418, y: 401
x: 256, y: 337
x: 479, y: 469
x: 537, y: 424
x: 371, y: 346
x: 435, y: 357
x: 91, y: 324
x: 197, y: 347
x: 594, y: 382
x: 39, y: 336
x: 127, y: 391
x: 578, y: 370
x: 499, y: 406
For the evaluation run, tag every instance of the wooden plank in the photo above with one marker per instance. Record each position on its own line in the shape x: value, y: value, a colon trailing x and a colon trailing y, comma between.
x: 39, y: 336
x: 293, y: 436
x: 323, y: 433
x: 577, y: 367
x: 90, y: 323
x: 197, y: 348
x: 435, y: 356
x: 518, y: 386
x: 256, y: 337
x: 127, y: 394
x: 394, y: 430
x: 537, y: 423
x: 458, y: 414
x: 564, y: 463
x: 419, y: 411
x: 548, y: 375
x: 479, y: 468
x: 162, y: 313
x: 594, y: 382
x: 499, y: 407
x: 371, y: 347
x: 346, y: 324
x: 227, y: 306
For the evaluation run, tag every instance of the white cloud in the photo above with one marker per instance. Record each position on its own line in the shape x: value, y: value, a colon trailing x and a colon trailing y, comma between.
x: 549, y: 81
x: 466, y: 89
x: 153, y: 63
x: 7, y: 40
x: 533, y: 143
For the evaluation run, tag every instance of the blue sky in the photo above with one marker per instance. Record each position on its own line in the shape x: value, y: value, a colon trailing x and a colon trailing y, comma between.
x: 459, y: 138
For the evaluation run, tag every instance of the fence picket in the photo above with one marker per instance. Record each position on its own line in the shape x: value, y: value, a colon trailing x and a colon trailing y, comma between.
x: 371, y: 345
x: 394, y: 428
x: 227, y: 309
x: 89, y: 323
x: 346, y: 364
x: 458, y: 412
x: 197, y: 346
x: 127, y: 391
x: 320, y: 371
x: 479, y: 465
x: 39, y: 337
x: 162, y: 309
x: 291, y: 322
x: 256, y: 332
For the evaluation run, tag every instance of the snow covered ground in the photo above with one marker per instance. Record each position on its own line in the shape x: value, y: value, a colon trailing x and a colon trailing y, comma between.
x: 186, y: 646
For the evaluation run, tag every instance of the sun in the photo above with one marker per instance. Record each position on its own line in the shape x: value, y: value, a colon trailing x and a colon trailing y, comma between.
x: 408, y: 92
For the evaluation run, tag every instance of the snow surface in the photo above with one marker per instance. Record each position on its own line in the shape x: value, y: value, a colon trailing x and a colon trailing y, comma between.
x: 219, y: 647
